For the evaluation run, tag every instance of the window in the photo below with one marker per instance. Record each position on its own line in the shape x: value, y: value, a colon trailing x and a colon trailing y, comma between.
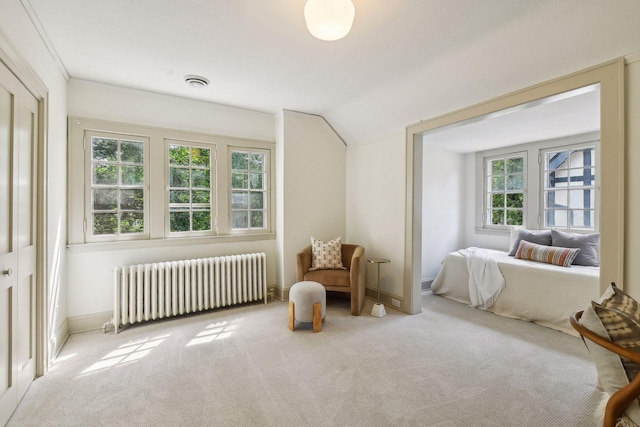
x: 569, y: 188
x: 117, y: 190
x: 132, y: 182
x: 249, y: 199
x: 189, y: 188
x: 505, y: 179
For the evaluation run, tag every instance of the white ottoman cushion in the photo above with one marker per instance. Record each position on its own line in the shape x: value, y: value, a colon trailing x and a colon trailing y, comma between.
x: 304, y: 295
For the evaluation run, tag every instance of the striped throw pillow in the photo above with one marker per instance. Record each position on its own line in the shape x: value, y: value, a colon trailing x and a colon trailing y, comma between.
x: 549, y: 254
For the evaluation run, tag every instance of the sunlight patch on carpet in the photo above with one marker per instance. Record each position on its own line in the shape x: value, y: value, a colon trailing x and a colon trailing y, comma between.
x: 126, y: 353
x: 214, y: 331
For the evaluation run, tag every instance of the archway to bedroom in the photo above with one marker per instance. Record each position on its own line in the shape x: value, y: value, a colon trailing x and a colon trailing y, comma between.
x: 451, y: 203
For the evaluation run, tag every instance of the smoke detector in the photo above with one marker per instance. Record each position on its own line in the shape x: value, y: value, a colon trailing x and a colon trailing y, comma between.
x: 196, y: 81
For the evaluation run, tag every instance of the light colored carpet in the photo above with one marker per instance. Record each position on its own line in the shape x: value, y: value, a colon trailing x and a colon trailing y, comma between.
x: 448, y: 366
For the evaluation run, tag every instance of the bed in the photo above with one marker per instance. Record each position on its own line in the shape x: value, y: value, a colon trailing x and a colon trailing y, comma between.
x: 542, y: 293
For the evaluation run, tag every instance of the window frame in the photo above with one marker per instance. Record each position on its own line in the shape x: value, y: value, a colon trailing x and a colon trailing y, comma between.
x: 596, y: 186
x: 535, y: 177
x: 486, y: 194
x: 267, y: 190
x: 212, y: 189
x: 89, y: 186
x: 156, y: 193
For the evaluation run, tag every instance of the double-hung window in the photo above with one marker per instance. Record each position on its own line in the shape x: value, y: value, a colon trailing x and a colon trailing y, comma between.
x: 505, y: 190
x: 189, y: 187
x: 249, y: 189
x: 116, y: 208
x: 569, y: 190
x: 131, y: 182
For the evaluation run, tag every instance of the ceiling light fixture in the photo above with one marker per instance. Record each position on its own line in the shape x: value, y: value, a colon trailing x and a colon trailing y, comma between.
x: 196, y: 81
x: 329, y: 20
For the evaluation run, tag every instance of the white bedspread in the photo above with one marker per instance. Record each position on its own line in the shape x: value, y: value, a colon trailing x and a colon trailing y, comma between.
x: 542, y: 293
x: 485, y: 279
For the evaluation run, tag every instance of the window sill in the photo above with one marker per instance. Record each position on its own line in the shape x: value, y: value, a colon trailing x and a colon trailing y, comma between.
x: 493, y: 231
x: 155, y: 243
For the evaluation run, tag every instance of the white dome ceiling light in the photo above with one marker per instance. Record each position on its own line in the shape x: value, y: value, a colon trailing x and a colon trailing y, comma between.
x: 196, y: 81
x: 329, y: 20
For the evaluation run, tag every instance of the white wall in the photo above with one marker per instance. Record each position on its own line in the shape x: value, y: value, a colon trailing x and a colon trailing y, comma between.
x: 17, y: 31
x: 443, y: 179
x: 311, y: 185
x: 119, y: 104
x: 90, y: 271
x: 473, y: 236
x: 376, y: 175
x: 632, y: 181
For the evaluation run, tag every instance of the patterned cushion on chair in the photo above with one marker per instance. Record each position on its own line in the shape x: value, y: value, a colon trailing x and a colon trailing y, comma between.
x: 326, y: 255
x: 615, y: 317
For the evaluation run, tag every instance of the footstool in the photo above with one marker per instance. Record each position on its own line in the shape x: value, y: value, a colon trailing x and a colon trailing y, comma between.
x: 307, y: 303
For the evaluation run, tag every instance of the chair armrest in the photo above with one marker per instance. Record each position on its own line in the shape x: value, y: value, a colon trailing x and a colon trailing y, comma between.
x: 620, y: 400
x: 356, y: 274
x: 601, y: 341
x: 303, y: 261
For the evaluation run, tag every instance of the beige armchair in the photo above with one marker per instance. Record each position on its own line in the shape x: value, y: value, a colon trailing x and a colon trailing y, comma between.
x: 350, y: 280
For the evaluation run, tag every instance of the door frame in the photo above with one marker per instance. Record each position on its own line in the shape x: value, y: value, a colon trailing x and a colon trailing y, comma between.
x: 10, y: 58
x: 610, y: 75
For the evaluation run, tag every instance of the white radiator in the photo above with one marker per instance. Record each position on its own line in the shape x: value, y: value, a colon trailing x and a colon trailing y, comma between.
x: 146, y: 292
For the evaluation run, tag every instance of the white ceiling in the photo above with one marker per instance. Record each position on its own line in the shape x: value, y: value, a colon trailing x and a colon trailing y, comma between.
x: 404, y: 60
x: 555, y: 117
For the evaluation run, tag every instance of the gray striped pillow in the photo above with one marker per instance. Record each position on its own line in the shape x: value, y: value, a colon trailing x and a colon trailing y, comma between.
x: 549, y: 254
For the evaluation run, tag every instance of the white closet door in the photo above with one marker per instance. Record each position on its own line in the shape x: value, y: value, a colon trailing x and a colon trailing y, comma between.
x: 18, y: 142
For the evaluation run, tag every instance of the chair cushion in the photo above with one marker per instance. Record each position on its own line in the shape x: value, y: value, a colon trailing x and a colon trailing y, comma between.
x: 615, y: 318
x: 326, y: 255
x: 329, y: 277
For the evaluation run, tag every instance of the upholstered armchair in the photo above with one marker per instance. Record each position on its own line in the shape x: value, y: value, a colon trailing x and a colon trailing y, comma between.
x: 350, y: 280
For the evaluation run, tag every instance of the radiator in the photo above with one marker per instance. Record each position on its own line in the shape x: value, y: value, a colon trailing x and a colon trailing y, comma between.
x: 145, y: 292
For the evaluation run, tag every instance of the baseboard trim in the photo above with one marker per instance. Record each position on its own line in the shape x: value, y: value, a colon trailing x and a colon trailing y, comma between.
x: 57, y: 341
x: 88, y: 322
x: 281, y: 294
x: 386, y: 299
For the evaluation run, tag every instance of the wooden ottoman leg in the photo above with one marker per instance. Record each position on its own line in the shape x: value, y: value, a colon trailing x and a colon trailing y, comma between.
x: 292, y: 319
x: 317, y: 317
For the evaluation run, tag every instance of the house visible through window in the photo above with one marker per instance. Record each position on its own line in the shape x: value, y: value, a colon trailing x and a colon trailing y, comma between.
x: 569, y: 188
x: 505, y: 179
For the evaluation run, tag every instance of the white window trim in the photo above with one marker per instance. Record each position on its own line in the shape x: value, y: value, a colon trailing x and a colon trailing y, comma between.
x: 156, y: 195
x: 214, y: 191
x: 486, y: 223
x: 534, y: 179
x: 269, y: 210
x: 87, y: 221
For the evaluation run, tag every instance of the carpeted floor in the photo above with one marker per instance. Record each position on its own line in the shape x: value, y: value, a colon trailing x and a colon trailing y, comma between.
x: 448, y: 366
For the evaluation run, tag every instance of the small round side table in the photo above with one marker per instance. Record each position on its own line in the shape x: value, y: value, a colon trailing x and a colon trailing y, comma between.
x: 378, y: 308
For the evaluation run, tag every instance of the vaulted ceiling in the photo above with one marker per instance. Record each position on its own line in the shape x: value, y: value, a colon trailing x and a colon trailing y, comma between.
x: 404, y: 60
